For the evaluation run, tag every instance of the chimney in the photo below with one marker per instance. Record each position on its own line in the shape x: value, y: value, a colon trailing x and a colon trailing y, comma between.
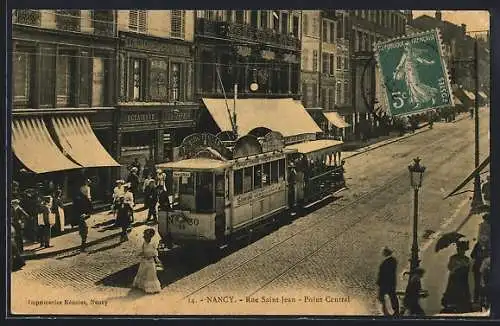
x: 438, y: 14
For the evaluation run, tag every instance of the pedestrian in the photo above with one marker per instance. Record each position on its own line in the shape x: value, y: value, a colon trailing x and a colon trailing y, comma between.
x: 161, y: 178
x: 413, y: 293
x: 118, y: 192
x: 83, y: 230
x: 136, y: 164
x: 484, y: 231
x: 87, y: 196
x: 146, y: 278
x: 57, y: 209
x: 457, y: 296
x: 16, y: 260
x: 485, y: 190
x: 478, y: 254
x: 151, y: 200
x: 485, y: 271
x: 386, y: 282
x: 129, y: 201
x: 133, y: 180
x: 19, y: 218
x: 44, y: 221
x: 123, y: 218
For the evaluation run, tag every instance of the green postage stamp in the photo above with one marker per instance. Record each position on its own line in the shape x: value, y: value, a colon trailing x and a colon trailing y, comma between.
x: 414, y: 73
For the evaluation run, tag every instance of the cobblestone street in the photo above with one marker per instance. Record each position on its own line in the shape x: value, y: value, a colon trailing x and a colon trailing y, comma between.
x: 332, y: 253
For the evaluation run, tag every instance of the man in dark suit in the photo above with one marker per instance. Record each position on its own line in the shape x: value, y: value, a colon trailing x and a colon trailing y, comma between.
x: 387, y: 281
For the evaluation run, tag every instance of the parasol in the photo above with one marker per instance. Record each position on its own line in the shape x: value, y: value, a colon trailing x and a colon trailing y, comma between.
x: 447, y: 239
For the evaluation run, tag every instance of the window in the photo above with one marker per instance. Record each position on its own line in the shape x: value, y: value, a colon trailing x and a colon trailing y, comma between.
x: 238, y: 182
x: 264, y: 19
x: 281, y: 169
x: 158, y: 80
x: 340, y: 28
x: 295, y: 26
x: 274, y: 172
x: 266, y: 174
x: 315, y: 60
x: 346, y: 91
x: 48, y: 62
x: 204, y: 192
x: 68, y: 20
x: 257, y: 177
x: 63, y: 81
x: 284, y: 23
x: 247, y: 179
x: 103, y: 22
x: 339, y: 63
x: 305, y: 22
x: 332, y: 64
x: 253, y: 18
x: 347, y: 64
x: 314, y: 97
x: 324, y: 98
x: 229, y: 15
x: 338, y: 94
x: 21, y: 74
x: 315, y: 26
x: 175, y: 81
x: 276, y: 20
x: 332, y: 32
x: 186, y: 184
x: 240, y: 16
x: 138, y: 21
x: 84, y: 78
x: 177, y: 23
x: 98, y: 70
x: 331, y: 97
x: 325, y: 31
x: 305, y: 59
x: 137, y: 72
x: 325, y: 61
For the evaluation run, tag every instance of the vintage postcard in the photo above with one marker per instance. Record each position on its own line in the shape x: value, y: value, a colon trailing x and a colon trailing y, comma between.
x: 250, y: 162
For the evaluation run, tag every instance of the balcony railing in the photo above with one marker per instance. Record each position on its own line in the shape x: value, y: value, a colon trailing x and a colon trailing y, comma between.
x: 227, y: 30
x: 103, y: 21
x: 68, y: 20
x: 26, y: 17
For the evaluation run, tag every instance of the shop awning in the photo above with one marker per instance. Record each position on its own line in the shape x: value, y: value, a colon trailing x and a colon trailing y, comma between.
x: 483, y: 95
x: 195, y: 164
x: 317, y: 147
x: 336, y: 120
x: 469, y: 95
x: 80, y: 143
x: 481, y: 167
x: 33, y: 146
x: 283, y: 115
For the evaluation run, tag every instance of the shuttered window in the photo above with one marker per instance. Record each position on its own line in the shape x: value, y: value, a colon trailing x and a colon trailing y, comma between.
x: 138, y: 21
x: 177, y: 23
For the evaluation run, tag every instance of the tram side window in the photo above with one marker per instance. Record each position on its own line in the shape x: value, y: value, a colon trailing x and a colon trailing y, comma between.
x: 266, y: 174
x: 204, y: 192
x: 238, y: 182
x: 247, y: 179
x: 282, y: 169
x: 257, y: 177
x: 274, y: 171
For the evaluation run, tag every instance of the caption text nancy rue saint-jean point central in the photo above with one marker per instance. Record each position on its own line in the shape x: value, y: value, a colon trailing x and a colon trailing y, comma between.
x: 270, y: 299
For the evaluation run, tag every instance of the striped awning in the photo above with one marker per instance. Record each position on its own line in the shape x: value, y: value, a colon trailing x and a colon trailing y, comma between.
x: 35, y: 148
x: 80, y: 143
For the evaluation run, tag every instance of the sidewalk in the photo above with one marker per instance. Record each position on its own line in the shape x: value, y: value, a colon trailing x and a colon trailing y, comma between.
x: 101, y: 229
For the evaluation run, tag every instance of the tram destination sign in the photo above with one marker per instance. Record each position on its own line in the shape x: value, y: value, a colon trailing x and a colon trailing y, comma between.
x: 414, y: 73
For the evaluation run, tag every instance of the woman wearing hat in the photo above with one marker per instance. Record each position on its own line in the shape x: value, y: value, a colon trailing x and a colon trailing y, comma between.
x: 133, y: 180
x: 146, y: 278
x: 457, y: 297
x: 118, y: 192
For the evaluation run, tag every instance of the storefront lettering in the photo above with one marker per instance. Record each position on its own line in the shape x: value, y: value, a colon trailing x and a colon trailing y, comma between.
x: 152, y: 45
x: 141, y: 117
x: 258, y: 194
x: 257, y: 160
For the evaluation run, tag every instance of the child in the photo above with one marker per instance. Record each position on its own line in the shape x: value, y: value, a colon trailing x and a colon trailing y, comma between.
x: 83, y: 230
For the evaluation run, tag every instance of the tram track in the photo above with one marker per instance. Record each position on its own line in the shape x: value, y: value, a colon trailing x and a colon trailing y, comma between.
x: 356, y: 201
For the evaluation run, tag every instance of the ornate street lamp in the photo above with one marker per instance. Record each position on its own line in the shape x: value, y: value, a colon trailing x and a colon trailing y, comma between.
x: 416, y: 177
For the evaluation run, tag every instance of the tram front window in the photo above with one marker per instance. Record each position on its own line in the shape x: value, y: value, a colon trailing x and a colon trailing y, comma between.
x: 204, y: 192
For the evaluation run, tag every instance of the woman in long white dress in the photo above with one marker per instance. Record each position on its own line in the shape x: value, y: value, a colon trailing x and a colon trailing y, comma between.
x: 146, y: 278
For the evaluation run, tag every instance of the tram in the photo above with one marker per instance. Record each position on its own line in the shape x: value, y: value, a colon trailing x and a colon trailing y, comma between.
x: 222, y: 190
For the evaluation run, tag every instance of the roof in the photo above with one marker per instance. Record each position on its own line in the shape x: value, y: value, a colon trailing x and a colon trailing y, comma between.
x: 195, y: 164
x: 284, y: 115
x: 336, y: 119
x: 326, y: 145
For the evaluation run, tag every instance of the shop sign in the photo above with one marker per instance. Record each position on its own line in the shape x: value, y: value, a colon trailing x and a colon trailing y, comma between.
x: 157, y: 46
x: 181, y: 174
x: 273, y: 141
x: 142, y: 117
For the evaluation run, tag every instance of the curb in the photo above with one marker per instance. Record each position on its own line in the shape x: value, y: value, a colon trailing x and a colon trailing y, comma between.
x: 369, y: 148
